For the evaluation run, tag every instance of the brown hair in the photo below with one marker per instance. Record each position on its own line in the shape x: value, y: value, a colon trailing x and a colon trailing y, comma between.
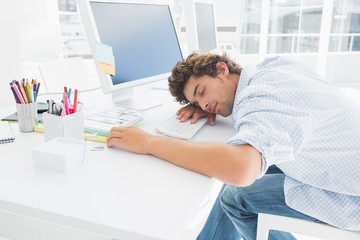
x: 197, y: 65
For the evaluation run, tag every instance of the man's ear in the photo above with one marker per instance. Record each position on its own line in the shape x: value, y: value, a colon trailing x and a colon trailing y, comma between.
x: 222, y: 69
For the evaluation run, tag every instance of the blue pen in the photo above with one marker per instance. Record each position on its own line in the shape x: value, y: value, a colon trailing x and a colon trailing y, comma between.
x: 34, y: 91
x: 69, y: 93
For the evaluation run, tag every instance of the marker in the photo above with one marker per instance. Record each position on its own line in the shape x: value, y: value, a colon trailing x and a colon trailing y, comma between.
x: 75, y: 100
x: 66, y: 104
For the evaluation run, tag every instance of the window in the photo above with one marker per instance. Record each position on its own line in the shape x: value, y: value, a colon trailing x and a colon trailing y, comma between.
x: 322, y: 34
x: 294, y: 26
x: 345, y: 27
x: 250, y: 29
x: 72, y: 32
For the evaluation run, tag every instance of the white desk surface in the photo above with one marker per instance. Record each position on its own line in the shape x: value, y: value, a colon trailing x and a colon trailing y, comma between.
x: 113, y: 193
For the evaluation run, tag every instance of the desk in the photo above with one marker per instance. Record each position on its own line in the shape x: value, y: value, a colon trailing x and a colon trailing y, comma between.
x: 114, y: 194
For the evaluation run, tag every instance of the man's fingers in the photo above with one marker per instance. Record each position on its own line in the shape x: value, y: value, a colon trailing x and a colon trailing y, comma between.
x: 211, y: 119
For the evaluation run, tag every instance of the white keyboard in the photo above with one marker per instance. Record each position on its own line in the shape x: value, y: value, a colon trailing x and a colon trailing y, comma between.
x: 176, y: 129
x: 112, y: 115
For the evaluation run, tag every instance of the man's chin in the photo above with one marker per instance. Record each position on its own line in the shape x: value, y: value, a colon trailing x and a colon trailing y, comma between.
x: 224, y: 114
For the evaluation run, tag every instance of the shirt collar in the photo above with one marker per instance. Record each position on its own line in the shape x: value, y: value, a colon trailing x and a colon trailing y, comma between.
x: 246, y: 75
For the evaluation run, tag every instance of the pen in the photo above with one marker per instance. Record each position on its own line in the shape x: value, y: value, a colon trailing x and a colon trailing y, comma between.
x: 66, y: 103
x: 63, y: 111
x: 21, y: 89
x: 57, y: 109
x: 69, y: 94
x: 15, y: 95
x: 49, y: 107
x: 18, y: 93
x: 37, y: 90
x: 34, y: 92
x: 75, y: 100
x: 27, y: 93
x: 27, y: 85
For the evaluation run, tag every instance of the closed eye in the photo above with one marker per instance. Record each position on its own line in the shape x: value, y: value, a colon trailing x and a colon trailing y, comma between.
x: 202, y: 92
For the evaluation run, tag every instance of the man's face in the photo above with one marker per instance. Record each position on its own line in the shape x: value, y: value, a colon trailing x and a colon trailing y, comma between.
x: 213, y: 95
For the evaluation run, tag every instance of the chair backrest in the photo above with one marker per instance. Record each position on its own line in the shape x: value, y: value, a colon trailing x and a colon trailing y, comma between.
x: 69, y: 72
x: 268, y: 222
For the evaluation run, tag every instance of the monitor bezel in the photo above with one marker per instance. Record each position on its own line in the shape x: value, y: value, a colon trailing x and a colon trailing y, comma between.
x: 94, y: 38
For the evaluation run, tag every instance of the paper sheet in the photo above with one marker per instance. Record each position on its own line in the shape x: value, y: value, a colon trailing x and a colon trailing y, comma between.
x: 105, y: 58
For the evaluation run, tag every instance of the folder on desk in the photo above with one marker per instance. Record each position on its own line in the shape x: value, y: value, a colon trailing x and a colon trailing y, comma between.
x: 91, y: 134
x: 41, y: 108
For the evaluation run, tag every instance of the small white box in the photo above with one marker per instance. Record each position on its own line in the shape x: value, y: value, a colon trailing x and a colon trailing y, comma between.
x: 59, y: 154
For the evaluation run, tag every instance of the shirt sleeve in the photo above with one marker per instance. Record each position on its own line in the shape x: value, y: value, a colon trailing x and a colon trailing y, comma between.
x: 274, y: 144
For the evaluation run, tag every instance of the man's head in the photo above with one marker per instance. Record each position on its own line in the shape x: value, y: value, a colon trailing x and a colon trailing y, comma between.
x: 206, y: 80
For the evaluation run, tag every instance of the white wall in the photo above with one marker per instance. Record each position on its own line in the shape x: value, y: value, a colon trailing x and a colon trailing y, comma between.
x: 10, y: 16
x: 343, y: 69
x: 17, y: 14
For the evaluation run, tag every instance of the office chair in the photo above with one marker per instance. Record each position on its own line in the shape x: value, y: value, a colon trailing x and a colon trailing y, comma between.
x: 267, y: 222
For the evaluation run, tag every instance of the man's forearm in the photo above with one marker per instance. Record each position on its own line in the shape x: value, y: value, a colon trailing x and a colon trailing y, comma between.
x: 237, y: 165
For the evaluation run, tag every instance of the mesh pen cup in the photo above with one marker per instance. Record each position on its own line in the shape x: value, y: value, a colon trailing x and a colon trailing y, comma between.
x: 27, y: 116
x: 69, y: 126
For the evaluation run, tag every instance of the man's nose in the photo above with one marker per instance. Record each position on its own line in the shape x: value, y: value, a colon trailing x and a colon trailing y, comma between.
x: 204, y: 105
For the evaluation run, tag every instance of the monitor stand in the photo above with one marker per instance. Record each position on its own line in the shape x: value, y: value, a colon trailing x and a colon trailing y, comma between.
x: 127, y: 99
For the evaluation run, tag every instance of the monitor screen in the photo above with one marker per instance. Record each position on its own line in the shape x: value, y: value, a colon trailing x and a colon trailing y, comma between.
x: 200, y: 25
x: 142, y: 36
x: 205, y: 25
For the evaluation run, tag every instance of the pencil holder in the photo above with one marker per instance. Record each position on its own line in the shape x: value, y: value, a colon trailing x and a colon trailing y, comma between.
x: 27, y: 116
x: 69, y: 126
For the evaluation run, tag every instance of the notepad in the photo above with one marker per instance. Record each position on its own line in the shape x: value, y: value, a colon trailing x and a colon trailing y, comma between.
x: 6, y: 135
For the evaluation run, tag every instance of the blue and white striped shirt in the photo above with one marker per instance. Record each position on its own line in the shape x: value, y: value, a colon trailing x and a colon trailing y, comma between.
x: 310, y: 130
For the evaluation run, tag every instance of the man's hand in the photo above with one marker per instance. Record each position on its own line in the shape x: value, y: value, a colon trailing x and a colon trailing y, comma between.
x: 189, y: 111
x: 131, y: 139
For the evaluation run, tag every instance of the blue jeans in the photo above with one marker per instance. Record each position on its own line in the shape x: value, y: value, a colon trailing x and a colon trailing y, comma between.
x: 235, y: 210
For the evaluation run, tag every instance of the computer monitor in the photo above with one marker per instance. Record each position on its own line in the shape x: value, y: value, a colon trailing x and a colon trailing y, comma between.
x: 144, y: 42
x: 200, y: 25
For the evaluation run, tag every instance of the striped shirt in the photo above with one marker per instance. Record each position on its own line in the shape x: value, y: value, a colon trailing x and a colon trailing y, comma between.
x: 310, y: 130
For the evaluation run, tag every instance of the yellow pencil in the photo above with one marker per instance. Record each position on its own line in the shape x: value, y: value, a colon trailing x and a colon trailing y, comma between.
x: 28, y: 87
